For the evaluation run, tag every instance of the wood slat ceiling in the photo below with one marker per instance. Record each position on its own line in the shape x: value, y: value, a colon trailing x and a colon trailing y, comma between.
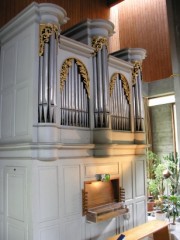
x: 142, y: 23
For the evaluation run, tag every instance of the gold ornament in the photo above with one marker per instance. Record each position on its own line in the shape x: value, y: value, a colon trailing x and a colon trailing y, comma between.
x: 45, y: 31
x: 136, y: 68
x: 124, y: 84
x: 98, y: 42
x: 82, y: 70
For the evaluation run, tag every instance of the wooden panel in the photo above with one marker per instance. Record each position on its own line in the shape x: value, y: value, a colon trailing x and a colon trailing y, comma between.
x: 127, y: 179
x: 140, y: 212
x: 158, y: 227
x: 140, y: 178
x: 71, y: 190
x: 144, y: 24
x: 48, y: 196
x: 16, y: 232
x: 100, y: 193
x: 111, y: 3
x: 77, y: 11
x: 72, y: 230
x: 51, y: 232
x: 110, y: 168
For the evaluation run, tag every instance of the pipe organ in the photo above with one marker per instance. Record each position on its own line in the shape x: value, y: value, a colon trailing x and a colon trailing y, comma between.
x: 47, y: 72
x: 74, y: 92
x: 101, y: 82
x: 137, y: 97
x: 120, y: 102
x: 69, y: 111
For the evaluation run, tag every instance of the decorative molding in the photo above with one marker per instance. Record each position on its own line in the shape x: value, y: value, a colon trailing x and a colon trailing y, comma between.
x: 125, y: 86
x: 45, y: 31
x: 84, y: 73
x: 124, y: 83
x: 82, y: 69
x: 112, y: 83
x: 98, y: 42
x: 137, y: 66
x: 64, y: 71
x: 76, y: 47
x: 175, y: 75
x: 84, y: 202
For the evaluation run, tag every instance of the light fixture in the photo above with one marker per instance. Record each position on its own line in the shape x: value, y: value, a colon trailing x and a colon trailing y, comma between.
x: 103, y: 177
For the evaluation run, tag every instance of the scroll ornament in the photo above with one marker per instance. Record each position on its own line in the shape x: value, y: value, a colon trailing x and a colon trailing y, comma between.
x: 46, y: 30
x: 136, y: 68
x: 64, y: 71
x: 124, y: 84
x: 98, y: 42
x: 82, y: 70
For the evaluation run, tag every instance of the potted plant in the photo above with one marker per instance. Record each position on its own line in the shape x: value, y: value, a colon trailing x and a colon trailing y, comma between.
x: 160, y: 209
x: 173, y: 203
x: 152, y: 184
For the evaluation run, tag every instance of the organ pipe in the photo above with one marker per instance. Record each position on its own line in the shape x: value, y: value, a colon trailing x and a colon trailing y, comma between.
x: 101, y: 96
x: 47, y: 72
x: 120, y: 106
x: 137, y: 99
x: 74, y: 84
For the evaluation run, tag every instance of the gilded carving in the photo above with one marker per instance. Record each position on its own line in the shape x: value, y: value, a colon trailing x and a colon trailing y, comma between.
x: 46, y: 30
x: 64, y: 71
x: 82, y: 70
x: 84, y: 73
x: 112, y: 83
x: 137, y: 67
x: 98, y: 42
x: 124, y: 84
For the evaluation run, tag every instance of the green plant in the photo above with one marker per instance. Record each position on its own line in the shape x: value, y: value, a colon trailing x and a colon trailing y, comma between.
x: 173, y: 203
x: 152, y: 162
x: 161, y: 173
x: 173, y: 168
x: 155, y: 183
x: 160, y: 205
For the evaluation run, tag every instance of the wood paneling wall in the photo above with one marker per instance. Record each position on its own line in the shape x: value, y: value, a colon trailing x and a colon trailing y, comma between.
x: 142, y: 23
x: 77, y: 10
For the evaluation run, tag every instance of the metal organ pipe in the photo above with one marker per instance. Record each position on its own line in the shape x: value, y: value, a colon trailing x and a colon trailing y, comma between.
x: 45, y: 82
x: 95, y: 92
x: 119, y: 102
x: 105, y: 84
x: 140, y: 102
x: 80, y: 100
x: 77, y: 96
x: 100, y: 89
x: 47, y: 73
x: 51, y: 77
x: 120, y: 108
x: 40, y: 88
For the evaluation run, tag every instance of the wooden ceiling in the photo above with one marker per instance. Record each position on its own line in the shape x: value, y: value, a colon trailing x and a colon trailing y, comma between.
x: 142, y: 23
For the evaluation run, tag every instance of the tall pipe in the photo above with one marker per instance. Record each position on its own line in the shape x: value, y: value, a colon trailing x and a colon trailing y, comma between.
x: 40, y: 100
x: 45, y: 82
x: 80, y: 100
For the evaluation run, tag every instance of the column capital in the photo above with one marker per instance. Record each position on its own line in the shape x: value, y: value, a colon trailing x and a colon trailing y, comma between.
x: 87, y: 30
x: 131, y: 54
x: 52, y: 13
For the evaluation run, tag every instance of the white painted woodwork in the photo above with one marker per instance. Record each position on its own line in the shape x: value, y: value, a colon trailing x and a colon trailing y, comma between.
x: 140, y: 216
x: 140, y: 176
x: 48, y: 193
x: 43, y: 166
x: 15, y: 203
x: 127, y: 178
